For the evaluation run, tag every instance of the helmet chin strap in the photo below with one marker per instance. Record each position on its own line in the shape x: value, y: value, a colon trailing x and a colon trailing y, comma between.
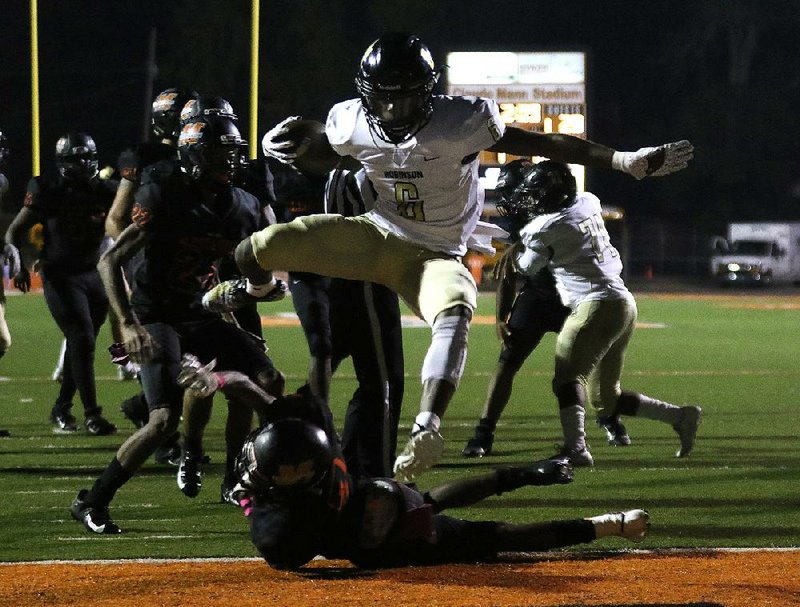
x: 396, y: 139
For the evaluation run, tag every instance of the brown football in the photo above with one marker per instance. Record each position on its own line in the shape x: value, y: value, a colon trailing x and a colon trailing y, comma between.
x: 314, y: 154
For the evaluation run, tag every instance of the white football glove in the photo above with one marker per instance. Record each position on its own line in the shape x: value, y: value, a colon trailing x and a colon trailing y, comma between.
x: 285, y: 151
x: 196, y: 377
x: 654, y: 162
x: 10, y: 256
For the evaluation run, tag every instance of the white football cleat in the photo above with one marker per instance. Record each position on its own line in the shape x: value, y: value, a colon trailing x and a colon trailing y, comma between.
x: 423, y: 451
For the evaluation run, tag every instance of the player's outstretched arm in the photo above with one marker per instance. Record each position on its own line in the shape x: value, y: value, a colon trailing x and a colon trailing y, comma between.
x: 645, y: 162
x: 119, y: 214
x: 203, y: 381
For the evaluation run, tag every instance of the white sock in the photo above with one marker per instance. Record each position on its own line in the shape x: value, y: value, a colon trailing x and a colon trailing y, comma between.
x: 572, y: 424
x: 260, y: 290
x: 427, y: 420
x: 651, y: 408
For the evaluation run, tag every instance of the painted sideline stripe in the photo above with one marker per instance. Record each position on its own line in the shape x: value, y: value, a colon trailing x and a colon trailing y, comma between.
x: 549, y: 555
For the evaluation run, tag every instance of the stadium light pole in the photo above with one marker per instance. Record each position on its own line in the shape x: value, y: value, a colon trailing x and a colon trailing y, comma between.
x: 254, y: 30
x: 36, y: 151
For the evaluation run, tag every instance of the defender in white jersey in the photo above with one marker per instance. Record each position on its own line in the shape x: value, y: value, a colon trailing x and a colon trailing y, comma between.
x: 420, y: 151
x: 567, y: 234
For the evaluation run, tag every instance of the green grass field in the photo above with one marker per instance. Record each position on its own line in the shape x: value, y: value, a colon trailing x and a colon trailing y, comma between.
x: 736, y: 356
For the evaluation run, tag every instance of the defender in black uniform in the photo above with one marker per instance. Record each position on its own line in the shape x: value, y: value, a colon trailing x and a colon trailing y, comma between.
x: 181, y: 227
x: 524, y: 315
x: 253, y: 177
x: 73, y: 211
x: 301, y: 501
x: 132, y: 165
x: 349, y: 318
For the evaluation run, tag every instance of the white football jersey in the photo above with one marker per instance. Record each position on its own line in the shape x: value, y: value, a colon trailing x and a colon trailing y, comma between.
x: 427, y: 187
x: 575, y: 244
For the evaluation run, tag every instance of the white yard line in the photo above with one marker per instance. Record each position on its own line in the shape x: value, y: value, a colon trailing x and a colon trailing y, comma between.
x: 546, y: 555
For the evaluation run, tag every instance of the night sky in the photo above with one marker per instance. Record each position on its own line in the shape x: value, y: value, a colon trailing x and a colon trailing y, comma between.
x: 722, y: 73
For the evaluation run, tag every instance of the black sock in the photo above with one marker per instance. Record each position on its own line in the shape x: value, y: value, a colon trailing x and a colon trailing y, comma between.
x: 112, y: 478
x: 486, y: 424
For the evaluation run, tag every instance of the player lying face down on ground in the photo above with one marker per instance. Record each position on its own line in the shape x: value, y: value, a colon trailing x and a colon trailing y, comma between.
x: 301, y: 502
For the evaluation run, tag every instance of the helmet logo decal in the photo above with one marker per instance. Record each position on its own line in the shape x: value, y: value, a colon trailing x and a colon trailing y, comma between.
x: 188, y: 110
x: 290, y: 474
x: 164, y: 102
x: 191, y: 133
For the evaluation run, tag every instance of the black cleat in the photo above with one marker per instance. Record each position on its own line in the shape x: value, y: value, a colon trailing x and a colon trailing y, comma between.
x: 615, y: 430
x: 480, y: 444
x: 63, y: 422
x: 94, y: 518
x: 97, y: 425
x: 190, y: 474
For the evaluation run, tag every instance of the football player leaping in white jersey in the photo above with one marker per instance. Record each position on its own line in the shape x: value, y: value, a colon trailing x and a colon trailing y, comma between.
x: 420, y: 151
x: 566, y: 233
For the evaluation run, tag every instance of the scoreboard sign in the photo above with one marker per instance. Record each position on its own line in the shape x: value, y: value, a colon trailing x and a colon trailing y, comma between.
x: 543, y: 92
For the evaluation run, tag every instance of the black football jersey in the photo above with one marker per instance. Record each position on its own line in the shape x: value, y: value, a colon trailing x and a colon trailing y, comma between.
x: 186, y: 239
x: 133, y: 160
x: 257, y: 179
x: 73, y: 216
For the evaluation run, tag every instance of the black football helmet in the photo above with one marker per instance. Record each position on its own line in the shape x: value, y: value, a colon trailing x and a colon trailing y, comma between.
x: 511, y: 175
x: 546, y: 187
x: 76, y: 157
x: 288, y: 459
x: 166, y: 111
x: 209, y: 148
x: 206, y: 105
x: 395, y: 80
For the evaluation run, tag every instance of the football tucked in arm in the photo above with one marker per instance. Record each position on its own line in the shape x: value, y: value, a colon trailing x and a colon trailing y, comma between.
x: 307, y: 144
